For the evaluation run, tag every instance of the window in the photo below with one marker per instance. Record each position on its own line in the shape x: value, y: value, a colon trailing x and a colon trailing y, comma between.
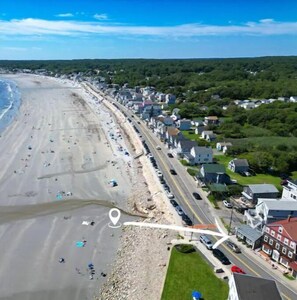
x: 272, y: 233
x: 280, y: 229
x: 267, y: 229
x: 290, y: 254
x: 277, y: 246
x: 279, y: 237
x: 265, y: 238
x: 284, y: 250
x: 292, y: 245
x: 270, y: 241
x: 286, y: 241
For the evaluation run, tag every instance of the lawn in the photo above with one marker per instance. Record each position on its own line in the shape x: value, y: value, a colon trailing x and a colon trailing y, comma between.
x: 270, y: 141
x: 259, y: 178
x: 188, y: 272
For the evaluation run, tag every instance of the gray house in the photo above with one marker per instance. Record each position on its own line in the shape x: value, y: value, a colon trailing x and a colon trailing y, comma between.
x: 238, y: 165
x: 184, y: 147
x: 253, y: 192
x: 213, y: 173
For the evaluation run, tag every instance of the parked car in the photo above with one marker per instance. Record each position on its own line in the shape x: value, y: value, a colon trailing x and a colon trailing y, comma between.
x: 158, y: 148
x: 227, y: 204
x: 174, y: 203
x: 169, y: 155
x: 197, y: 196
x: 187, y: 220
x: 235, y: 269
x: 221, y: 256
x: 179, y: 210
x: 173, y: 172
x: 206, y: 241
x: 232, y: 246
x: 169, y: 195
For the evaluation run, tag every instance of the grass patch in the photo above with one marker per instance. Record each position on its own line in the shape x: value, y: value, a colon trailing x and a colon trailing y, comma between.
x: 255, y: 131
x: 188, y: 272
x: 269, y: 141
x: 259, y: 178
x: 288, y: 276
x: 184, y: 162
x: 227, y: 226
x: 192, y: 172
x: 213, y: 201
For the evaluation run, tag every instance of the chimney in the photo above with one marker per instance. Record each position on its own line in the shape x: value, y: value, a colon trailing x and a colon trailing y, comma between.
x: 289, y: 218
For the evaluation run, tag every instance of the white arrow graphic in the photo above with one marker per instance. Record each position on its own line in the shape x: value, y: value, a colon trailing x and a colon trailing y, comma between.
x: 221, y: 233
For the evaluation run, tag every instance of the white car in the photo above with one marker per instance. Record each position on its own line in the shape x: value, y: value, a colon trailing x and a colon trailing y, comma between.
x: 169, y: 195
x: 158, y: 148
x: 227, y: 204
x: 159, y: 174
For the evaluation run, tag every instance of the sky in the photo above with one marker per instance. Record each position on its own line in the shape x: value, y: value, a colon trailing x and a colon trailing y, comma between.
x: 77, y: 29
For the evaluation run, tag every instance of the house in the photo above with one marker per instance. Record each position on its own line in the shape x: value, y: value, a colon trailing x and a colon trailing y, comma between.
x: 220, y: 145
x: 253, y: 192
x: 238, y: 165
x: 205, y: 133
x: 293, y: 99
x: 200, y: 129
x: 247, y: 106
x: 211, y: 120
x: 199, y: 155
x: 184, y: 124
x: 210, y: 137
x: 290, y: 190
x: 151, y: 111
x: 247, y: 287
x: 268, y: 211
x: 184, y: 147
x: 213, y: 173
x: 170, y: 99
x: 170, y: 134
x: 279, y: 242
x: 252, y: 236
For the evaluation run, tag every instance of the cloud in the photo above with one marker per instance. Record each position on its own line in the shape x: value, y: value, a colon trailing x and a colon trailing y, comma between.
x: 39, y: 27
x: 66, y: 15
x: 100, y: 17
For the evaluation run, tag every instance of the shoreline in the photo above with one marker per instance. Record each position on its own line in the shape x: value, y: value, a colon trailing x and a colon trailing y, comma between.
x: 71, y: 151
x: 10, y: 113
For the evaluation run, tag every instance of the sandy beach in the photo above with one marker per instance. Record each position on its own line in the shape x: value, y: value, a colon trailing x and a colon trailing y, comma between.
x: 57, y: 158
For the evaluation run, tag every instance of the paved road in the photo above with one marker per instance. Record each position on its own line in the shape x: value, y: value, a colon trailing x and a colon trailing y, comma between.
x: 182, y: 186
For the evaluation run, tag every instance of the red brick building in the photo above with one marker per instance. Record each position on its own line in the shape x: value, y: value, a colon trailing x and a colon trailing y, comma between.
x: 279, y: 242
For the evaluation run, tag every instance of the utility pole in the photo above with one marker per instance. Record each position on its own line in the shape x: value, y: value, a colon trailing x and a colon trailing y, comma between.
x: 229, y: 229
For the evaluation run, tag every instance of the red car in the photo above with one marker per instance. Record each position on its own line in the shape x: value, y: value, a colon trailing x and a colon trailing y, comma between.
x: 235, y: 269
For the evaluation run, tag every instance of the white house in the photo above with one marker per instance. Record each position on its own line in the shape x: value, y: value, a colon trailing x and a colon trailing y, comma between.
x: 220, y: 145
x: 170, y: 99
x: 184, y: 124
x: 200, y: 155
x: 205, y: 133
x: 270, y: 210
x: 247, y: 287
x: 290, y: 190
x: 293, y: 99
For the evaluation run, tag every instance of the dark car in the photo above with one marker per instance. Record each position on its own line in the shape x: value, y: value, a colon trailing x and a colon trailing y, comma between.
x: 221, y: 256
x: 174, y: 203
x: 179, y: 210
x: 172, y: 171
x: 170, y: 155
x: 197, y: 196
x: 187, y: 220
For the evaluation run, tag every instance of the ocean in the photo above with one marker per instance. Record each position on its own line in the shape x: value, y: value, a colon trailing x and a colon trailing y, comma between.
x: 10, y: 100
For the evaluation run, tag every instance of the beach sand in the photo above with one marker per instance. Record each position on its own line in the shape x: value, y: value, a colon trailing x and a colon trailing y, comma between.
x: 58, y: 145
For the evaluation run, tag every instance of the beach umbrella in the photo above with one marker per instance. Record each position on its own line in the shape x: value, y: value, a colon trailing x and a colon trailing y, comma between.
x: 79, y: 244
x: 196, y: 295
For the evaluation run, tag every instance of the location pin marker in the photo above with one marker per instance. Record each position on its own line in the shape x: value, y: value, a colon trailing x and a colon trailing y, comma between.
x: 114, y: 216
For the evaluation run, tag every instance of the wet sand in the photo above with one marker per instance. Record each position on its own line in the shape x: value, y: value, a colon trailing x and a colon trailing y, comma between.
x: 58, y: 145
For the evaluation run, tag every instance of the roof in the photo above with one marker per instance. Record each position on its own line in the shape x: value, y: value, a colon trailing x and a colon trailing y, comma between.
x: 213, y: 118
x: 255, y: 288
x: 207, y: 132
x: 240, y: 162
x: 214, y: 168
x: 289, y: 226
x: 172, y: 131
x: 224, y: 143
x: 249, y: 232
x: 187, y: 144
x: 218, y: 187
x: 263, y: 188
x: 202, y: 150
x: 274, y: 204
